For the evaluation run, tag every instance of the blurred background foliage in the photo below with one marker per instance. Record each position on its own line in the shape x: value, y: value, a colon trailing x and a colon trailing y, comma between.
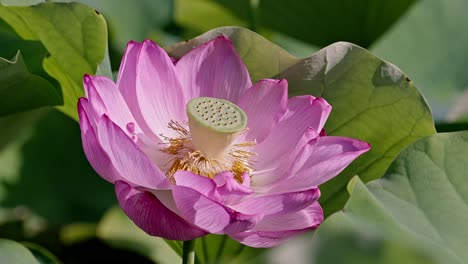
x: 49, y: 194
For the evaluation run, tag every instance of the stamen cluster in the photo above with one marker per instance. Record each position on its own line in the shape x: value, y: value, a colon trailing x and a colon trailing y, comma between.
x: 186, y: 157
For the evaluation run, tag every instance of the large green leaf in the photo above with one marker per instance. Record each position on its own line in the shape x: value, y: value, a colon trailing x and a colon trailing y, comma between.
x: 75, y: 36
x: 421, y: 203
x: 20, y: 90
x: 372, y: 100
x: 13, y: 252
x: 48, y: 171
x: 429, y: 43
x: 323, y: 22
x: 365, y: 247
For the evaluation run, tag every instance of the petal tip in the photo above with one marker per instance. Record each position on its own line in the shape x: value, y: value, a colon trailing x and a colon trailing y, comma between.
x: 149, y: 42
x: 86, y: 76
x: 81, y: 101
x: 275, y: 81
x: 223, y: 38
x: 130, y: 45
x: 367, y: 146
x: 84, y: 119
x: 133, y: 42
x: 87, y: 79
x: 360, y: 146
x: 323, y: 102
x: 310, y: 99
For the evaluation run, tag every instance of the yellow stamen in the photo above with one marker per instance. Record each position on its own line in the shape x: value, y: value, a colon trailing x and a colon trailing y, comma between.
x: 186, y: 157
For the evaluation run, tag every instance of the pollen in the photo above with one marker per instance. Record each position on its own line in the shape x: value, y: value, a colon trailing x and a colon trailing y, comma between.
x: 237, y: 158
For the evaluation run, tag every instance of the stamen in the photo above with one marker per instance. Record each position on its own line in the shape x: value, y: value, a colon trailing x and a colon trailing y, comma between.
x: 186, y: 157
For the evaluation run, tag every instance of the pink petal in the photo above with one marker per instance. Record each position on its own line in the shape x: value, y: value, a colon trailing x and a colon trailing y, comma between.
x: 148, y: 213
x: 201, y: 184
x: 309, y: 217
x: 105, y: 98
x: 265, y: 239
x: 126, y: 84
x: 126, y: 79
x: 279, y: 150
x: 153, y: 149
x: 148, y: 81
x: 214, y: 70
x: 99, y: 159
x: 198, y: 201
x: 241, y: 222
x: 265, y: 103
x: 279, y: 203
x: 274, y: 230
x: 200, y: 210
x: 321, y: 111
x: 95, y: 106
x: 159, y: 91
x: 131, y: 163
x: 323, y: 160
x: 231, y: 191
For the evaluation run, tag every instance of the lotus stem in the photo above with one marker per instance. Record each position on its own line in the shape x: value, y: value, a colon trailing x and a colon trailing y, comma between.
x: 188, y: 254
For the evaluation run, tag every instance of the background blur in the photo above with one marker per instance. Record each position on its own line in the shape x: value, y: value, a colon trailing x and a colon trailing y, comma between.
x: 48, y: 192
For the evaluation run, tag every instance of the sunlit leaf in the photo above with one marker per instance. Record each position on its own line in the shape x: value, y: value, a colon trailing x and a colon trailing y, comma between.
x: 420, y: 204
x: 75, y: 35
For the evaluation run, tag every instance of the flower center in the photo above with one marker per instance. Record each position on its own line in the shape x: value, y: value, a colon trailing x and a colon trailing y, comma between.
x: 207, y: 147
x: 214, y: 124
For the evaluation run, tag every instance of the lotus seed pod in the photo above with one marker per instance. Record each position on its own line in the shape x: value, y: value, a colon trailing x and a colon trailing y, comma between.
x: 214, y: 124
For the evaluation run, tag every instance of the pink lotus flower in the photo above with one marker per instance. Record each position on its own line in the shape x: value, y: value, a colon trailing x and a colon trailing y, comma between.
x: 194, y: 148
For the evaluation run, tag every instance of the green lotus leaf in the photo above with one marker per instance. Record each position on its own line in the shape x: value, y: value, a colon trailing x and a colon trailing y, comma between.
x: 75, y: 36
x: 421, y: 204
x: 21, y: 90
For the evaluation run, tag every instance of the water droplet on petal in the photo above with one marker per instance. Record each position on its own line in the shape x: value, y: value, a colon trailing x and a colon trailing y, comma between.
x: 130, y: 127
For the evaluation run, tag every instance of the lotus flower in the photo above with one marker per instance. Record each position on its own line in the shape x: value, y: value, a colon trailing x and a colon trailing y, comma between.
x: 194, y: 148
